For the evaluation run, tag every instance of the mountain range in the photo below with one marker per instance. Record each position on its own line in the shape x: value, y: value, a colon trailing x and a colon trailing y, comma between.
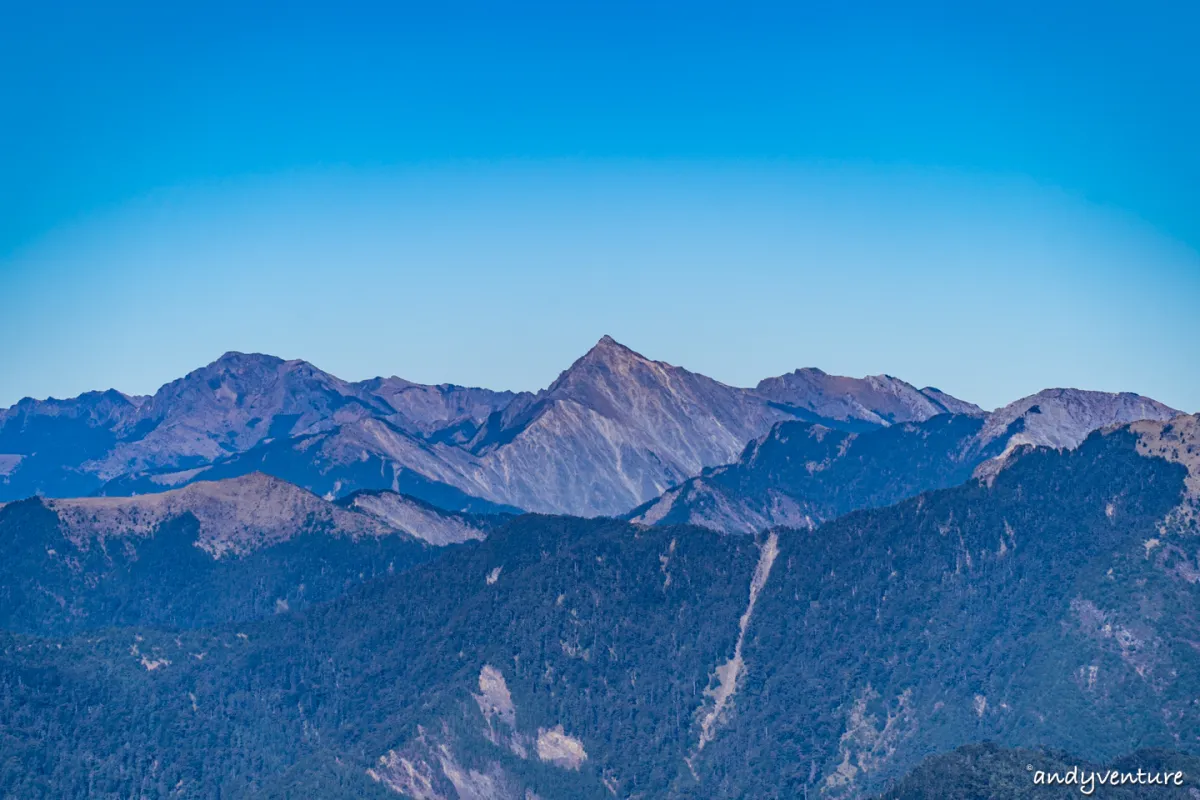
x: 614, y: 431
x: 264, y: 581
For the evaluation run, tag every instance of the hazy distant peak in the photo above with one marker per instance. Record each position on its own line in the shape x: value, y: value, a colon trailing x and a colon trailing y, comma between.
x: 238, y: 355
x: 418, y: 519
x: 425, y: 409
x: 394, y: 382
x: 238, y: 361
x: 97, y: 406
x: 878, y: 399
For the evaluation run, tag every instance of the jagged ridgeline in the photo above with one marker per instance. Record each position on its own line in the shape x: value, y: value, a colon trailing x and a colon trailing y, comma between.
x: 614, y: 431
x: 1054, y: 604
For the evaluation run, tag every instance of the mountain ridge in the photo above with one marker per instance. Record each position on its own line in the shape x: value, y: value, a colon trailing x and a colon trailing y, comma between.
x: 613, y: 431
x: 791, y: 476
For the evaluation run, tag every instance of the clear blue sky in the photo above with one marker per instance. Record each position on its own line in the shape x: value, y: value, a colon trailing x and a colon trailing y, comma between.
x: 991, y: 198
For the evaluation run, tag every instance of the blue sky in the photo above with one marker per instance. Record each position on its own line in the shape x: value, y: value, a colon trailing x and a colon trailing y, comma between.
x: 991, y: 198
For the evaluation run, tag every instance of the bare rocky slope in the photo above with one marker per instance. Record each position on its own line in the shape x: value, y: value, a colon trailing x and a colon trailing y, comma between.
x: 1065, y: 417
x: 422, y: 520
x: 251, y: 512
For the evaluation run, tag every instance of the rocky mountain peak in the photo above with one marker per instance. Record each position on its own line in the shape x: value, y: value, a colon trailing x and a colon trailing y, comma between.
x: 614, y: 430
x: 250, y: 372
x: 234, y: 358
x: 231, y: 405
x: 608, y: 378
x: 608, y: 354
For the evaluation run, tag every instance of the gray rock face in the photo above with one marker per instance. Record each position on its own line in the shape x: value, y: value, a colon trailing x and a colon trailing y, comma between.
x: 952, y: 404
x: 433, y: 525
x: 613, y: 430
x: 1061, y: 418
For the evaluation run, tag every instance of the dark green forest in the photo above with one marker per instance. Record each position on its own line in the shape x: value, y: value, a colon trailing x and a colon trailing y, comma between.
x: 49, y: 585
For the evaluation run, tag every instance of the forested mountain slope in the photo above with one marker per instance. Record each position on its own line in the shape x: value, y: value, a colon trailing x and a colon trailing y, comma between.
x: 1050, y: 606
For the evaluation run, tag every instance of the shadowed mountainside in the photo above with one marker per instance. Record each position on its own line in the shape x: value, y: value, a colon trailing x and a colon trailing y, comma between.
x: 208, y: 553
x: 1052, y: 605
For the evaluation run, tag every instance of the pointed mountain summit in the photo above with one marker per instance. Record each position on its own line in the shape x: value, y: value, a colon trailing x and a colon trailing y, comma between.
x: 608, y: 368
x: 613, y: 430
